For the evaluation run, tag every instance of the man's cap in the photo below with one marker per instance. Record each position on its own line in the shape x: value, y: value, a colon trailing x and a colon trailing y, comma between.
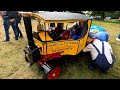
x: 92, y: 35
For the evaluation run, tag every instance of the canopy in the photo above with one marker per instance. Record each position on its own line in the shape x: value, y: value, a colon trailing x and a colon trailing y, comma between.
x: 62, y: 16
x: 58, y: 16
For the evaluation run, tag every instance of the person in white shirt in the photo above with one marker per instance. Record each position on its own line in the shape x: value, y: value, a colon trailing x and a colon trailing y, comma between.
x: 101, y: 54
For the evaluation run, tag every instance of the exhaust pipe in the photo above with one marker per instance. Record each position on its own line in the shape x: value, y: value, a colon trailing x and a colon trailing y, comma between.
x: 32, y: 52
x: 28, y: 28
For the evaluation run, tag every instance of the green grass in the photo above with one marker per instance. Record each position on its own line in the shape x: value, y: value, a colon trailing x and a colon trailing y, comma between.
x: 13, y: 65
x: 114, y: 21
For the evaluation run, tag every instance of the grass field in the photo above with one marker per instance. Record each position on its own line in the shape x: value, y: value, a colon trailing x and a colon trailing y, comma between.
x: 13, y: 65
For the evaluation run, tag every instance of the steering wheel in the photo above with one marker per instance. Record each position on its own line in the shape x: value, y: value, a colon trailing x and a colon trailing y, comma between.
x: 65, y: 35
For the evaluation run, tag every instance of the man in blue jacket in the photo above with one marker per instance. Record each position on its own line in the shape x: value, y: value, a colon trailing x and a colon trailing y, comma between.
x: 75, y: 34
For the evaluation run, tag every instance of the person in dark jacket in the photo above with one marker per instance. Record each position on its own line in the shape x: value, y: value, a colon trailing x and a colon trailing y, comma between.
x: 18, y: 17
x: 9, y: 19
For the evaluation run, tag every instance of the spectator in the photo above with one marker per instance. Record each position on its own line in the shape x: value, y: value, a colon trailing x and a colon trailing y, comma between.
x: 118, y: 38
x: 9, y: 19
x: 18, y: 18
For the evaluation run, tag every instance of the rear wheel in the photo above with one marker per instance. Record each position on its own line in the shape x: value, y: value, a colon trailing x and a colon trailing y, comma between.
x: 32, y: 55
x: 28, y: 56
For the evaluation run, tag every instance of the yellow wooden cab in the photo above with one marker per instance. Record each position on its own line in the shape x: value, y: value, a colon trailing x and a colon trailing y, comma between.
x: 48, y: 46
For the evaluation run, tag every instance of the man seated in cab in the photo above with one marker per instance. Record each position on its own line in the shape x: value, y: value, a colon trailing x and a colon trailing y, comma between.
x: 101, y: 54
x: 58, y: 31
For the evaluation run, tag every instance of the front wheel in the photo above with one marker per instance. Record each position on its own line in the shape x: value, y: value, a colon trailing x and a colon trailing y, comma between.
x: 53, y: 74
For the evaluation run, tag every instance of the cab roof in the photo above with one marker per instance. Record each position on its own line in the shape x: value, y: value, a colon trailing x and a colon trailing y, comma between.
x: 62, y: 16
x: 57, y: 17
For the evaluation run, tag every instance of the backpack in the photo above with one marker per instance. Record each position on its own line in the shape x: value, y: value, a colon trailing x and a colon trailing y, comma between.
x: 101, y: 60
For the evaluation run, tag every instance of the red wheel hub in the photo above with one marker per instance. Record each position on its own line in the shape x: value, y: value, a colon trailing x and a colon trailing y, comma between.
x: 54, y: 73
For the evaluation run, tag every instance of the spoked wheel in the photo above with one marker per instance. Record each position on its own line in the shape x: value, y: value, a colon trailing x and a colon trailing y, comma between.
x: 28, y: 56
x: 53, y: 74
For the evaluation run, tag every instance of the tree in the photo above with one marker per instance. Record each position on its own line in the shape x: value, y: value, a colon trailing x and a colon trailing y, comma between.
x: 103, y: 14
x: 99, y: 13
x: 77, y: 12
x: 114, y: 15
